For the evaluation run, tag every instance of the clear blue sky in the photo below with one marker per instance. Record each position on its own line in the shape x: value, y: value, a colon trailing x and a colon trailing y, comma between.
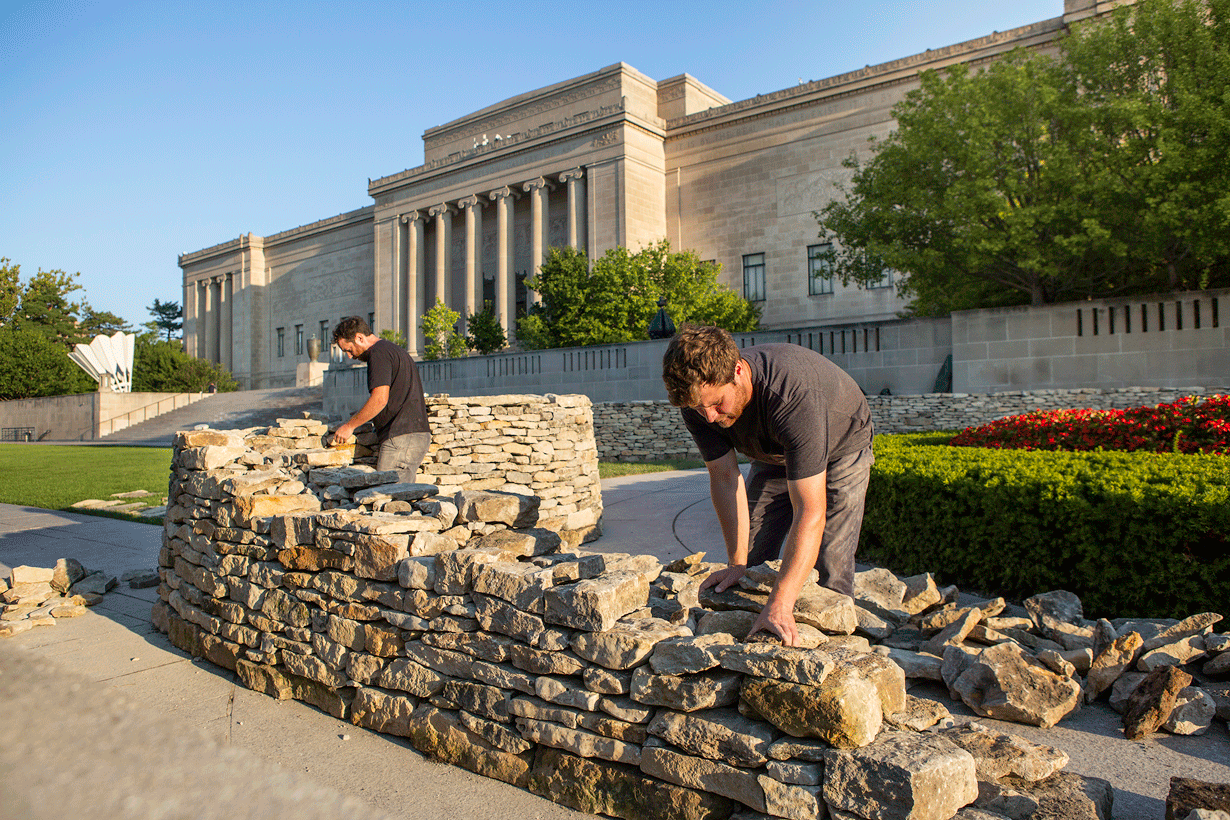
x: 133, y: 132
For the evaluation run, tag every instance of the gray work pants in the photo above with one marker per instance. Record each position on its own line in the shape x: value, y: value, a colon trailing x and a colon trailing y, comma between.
x: 771, y: 513
x: 404, y: 454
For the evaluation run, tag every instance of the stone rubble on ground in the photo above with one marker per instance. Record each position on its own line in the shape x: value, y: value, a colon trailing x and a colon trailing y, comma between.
x: 611, y: 683
x: 38, y: 596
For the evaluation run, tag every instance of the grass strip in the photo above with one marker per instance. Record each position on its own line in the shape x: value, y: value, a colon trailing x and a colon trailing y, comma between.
x: 54, y: 477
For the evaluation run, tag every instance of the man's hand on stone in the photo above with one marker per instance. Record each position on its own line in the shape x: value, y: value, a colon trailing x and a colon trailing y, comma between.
x: 340, y: 435
x: 724, y: 579
x: 779, y: 621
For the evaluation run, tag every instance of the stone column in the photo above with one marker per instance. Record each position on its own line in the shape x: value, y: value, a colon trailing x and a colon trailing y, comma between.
x: 204, y: 323
x: 538, y: 190
x: 576, y: 206
x: 441, y: 288
x: 227, y: 321
x: 416, y: 278
x: 473, y: 208
x: 505, y: 297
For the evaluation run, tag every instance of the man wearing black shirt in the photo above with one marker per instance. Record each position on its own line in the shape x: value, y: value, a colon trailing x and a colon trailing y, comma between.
x: 806, y: 427
x: 395, y: 404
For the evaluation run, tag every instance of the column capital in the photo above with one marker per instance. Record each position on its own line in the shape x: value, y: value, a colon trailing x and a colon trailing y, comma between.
x: 472, y: 201
x: 502, y: 193
x: 571, y: 174
x: 411, y: 216
x: 536, y: 184
x: 443, y: 209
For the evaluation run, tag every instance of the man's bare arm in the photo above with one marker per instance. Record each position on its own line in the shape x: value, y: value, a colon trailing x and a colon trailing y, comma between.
x: 371, y: 408
x: 799, y: 553
x: 729, y: 496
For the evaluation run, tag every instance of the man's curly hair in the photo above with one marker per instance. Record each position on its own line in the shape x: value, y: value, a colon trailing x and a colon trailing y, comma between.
x: 698, y: 355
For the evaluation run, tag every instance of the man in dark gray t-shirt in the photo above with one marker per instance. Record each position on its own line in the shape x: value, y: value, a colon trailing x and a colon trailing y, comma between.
x: 807, y: 429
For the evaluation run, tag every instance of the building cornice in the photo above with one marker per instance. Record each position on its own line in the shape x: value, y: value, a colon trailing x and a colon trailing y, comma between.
x: 569, y: 128
x: 255, y: 242
x: 891, y: 73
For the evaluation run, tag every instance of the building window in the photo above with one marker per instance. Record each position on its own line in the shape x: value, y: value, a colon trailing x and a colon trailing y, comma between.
x: 324, y: 332
x: 281, y: 342
x: 885, y: 280
x: 371, y: 321
x: 819, y: 269
x: 298, y: 340
x: 753, y: 277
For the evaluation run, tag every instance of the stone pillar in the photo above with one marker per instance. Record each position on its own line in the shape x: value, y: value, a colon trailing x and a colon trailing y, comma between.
x: 473, y: 208
x: 441, y: 288
x: 538, y: 190
x: 226, y: 335
x: 576, y: 206
x: 204, y: 324
x: 505, y: 296
x: 416, y: 279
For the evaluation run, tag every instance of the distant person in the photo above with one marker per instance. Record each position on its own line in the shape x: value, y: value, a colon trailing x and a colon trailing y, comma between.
x: 213, y: 388
x: 806, y: 427
x: 395, y: 404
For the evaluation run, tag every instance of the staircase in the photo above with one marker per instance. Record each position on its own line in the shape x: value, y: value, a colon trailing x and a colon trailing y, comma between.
x: 223, y: 411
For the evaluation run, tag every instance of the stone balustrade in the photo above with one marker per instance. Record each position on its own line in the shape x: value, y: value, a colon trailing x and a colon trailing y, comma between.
x: 605, y: 682
x: 652, y: 430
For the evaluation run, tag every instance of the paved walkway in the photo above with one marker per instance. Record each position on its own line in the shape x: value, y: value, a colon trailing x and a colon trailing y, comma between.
x: 105, y: 717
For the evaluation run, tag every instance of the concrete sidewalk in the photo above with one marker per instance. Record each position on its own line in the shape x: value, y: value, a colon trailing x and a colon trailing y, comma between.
x: 105, y: 713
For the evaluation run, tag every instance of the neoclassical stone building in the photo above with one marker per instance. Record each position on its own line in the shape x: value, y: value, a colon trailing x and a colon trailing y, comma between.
x: 612, y: 158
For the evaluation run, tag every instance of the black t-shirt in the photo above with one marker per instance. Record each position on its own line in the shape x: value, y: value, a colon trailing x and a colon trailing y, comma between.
x: 804, y: 413
x: 406, y: 412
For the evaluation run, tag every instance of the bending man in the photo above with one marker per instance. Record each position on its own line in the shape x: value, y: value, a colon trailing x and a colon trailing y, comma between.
x: 395, y: 404
x: 806, y: 427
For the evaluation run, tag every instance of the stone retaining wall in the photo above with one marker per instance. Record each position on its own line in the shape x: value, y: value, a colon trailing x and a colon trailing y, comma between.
x: 599, y: 681
x: 652, y: 431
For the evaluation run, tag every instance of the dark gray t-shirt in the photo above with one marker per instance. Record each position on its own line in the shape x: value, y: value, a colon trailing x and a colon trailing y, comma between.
x: 804, y: 412
x: 406, y: 412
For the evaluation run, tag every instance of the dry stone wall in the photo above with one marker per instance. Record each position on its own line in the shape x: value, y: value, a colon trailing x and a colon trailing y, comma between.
x: 652, y: 431
x: 606, y: 682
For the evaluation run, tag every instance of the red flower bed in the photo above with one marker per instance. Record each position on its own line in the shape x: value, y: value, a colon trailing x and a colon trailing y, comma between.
x: 1189, y: 425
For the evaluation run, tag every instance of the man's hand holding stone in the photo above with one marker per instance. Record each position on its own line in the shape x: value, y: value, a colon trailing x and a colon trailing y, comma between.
x: 778, y: 620
x: 724, y: 579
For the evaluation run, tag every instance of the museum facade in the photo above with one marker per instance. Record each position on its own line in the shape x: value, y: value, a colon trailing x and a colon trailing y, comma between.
x: 612, y: 158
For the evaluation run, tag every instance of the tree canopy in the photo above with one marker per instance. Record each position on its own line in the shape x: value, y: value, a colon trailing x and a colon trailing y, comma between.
x: 1039, y: 180
x: 167, y: 318
x: 615, y: 300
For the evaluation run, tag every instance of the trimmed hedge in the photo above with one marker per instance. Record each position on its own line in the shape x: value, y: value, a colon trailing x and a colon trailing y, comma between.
x: 1132, y: 534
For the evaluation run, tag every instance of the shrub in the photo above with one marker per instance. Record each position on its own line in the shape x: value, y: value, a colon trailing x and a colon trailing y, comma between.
x: 440, y: 330
x: 1130, y: 533
x: 1189, y: 425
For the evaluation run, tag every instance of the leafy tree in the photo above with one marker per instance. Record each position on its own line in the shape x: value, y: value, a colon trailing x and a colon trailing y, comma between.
x: 10, y: 289
x: 395, y: 336
x: 46, y: 308
x: 168, y: 317
x: 616, y: 300
x: 161, y: 366
x: 94, y: 322
x: 440, y: 328
x: 32, y: 365
x: 1039, y: 181
x: 485, y: 333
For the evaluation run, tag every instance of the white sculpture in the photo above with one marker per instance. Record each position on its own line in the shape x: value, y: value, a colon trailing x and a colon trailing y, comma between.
x: 108, y: 360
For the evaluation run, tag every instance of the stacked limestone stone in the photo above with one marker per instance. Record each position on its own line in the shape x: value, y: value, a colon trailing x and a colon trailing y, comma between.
x: 652, y: 431
x: 599, y: 681
x: 532, y: 445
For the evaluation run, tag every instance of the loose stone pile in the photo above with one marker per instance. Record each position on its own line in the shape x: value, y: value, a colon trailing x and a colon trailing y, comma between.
x: 605, y: 682
x: 1038, y: 663
x: 37, y: 596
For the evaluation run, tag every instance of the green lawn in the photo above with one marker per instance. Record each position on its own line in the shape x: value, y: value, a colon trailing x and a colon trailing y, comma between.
x: 614, y: 469
x: 54, y: 477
